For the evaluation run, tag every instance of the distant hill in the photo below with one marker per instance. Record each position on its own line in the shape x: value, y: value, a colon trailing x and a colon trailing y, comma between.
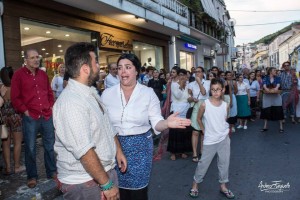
x: 269, y: 38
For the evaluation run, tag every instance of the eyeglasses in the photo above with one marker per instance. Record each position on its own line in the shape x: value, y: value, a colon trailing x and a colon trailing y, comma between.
x: 198, y: 72
x: 217, y: 90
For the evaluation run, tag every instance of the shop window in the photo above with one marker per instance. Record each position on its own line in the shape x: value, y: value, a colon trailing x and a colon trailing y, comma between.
x: 51, y: 41
x: 186, y: 60
x: 149, y: 55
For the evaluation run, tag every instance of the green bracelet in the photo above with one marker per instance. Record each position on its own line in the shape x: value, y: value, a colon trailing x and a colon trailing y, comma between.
x: 107, y: 186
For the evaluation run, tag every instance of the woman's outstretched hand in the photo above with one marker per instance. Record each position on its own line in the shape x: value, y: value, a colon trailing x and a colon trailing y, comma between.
x: 177, y: 122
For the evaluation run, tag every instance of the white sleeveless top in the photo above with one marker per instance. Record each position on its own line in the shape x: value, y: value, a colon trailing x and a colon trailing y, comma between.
x: 216, y: 127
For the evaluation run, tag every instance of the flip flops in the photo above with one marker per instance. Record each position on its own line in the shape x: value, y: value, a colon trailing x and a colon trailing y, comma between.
x: 20, y: 169
x: 228, y: 194
x: 195, y: 159
x: 194, y: 193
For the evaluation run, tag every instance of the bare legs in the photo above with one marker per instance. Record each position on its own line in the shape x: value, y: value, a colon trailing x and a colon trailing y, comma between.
x: 17, y: 138
x: 265, y: 124
x: 6, y: 154
x: 280, y: 124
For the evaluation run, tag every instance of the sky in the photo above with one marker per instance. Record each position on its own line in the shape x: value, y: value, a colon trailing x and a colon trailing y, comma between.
x: 246, y: 34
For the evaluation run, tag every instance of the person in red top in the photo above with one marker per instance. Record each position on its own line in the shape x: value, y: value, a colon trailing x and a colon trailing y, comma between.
x: 32, y: 96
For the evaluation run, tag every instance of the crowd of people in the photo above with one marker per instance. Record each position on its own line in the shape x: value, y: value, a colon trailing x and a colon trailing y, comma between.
x: 99, y: 142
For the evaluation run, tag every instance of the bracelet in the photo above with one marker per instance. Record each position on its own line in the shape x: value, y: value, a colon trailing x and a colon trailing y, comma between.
x: 107, y: 186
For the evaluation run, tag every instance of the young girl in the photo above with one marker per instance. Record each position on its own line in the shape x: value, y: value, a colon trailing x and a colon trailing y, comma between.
x: 214, y: 113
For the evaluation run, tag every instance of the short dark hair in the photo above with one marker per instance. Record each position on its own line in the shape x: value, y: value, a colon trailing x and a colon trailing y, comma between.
x: 176, y: 68
x: 150, y: 68
x: 227, y: 72
x: 216, y: 81
x: 6, y: 75
x: 221, y: 72
x: 207, y: 77
x: 286, y: 62
x: 134, y: 59
x: 77, y: 55
x: 214, y: 67
x: 270, y: 70
x: 202, y: 69
x: 182, y: 71
x: 143, y: 69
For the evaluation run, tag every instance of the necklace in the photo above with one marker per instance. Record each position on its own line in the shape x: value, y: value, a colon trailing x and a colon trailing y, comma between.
x: 122, y: 105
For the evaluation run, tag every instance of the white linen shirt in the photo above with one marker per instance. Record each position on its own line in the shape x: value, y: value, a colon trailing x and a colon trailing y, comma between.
x: 142, y: 107
x: 195, y: 88
x: 242, y: 88
x: 79, y: 126
x: 179, y: 100
x: 111, y: 80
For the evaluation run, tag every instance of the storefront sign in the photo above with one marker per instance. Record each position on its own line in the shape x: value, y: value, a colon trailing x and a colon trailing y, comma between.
x: 109, y: 41
x: 190, y: 46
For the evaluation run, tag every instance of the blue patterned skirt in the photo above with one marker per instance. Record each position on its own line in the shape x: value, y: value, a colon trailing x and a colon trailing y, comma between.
x: 138, y: 150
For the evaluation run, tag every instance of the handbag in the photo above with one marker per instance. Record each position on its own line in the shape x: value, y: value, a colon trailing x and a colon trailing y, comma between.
x: 4, y: 131
x: 190, y: 110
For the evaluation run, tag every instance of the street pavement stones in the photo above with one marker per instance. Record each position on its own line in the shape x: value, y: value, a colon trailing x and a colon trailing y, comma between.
x: 264, y: 166
x: 15, y: 186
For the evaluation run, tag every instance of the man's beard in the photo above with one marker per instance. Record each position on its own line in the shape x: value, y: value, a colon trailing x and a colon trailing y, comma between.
x: 93, y: 77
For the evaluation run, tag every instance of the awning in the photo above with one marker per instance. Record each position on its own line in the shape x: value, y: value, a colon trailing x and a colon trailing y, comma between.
x: 189, y: 39
x: 210, y: 9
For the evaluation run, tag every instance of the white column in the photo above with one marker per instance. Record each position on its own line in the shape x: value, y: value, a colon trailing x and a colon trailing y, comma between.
x: 172, y: 52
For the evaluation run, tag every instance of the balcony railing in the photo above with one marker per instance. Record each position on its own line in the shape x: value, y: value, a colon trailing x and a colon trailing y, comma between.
x: 158, y: 6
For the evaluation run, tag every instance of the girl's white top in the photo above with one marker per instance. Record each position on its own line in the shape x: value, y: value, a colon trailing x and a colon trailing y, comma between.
x: 216, y: 127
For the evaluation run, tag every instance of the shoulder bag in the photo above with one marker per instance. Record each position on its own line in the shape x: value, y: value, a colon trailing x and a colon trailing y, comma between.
x: 190, y: 110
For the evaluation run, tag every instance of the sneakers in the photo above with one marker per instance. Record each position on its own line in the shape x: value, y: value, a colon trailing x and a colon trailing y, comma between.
x: 245, y: 127
x: 232, y: 130
x: 239, y: 126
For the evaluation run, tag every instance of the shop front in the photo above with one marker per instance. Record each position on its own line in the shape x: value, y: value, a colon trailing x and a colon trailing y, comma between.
x: 187, y: 51
x: 51, y: 27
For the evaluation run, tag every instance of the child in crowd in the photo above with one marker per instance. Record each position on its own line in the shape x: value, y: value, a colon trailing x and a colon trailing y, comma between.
x: 214, y: 113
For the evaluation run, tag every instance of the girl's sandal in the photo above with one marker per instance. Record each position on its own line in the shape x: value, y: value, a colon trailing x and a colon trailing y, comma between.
x: 194, y: 193
x: 228, y: 194
x: 195, y: 159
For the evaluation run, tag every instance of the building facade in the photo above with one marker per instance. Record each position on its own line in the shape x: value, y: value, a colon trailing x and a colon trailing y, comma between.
x: 52, y: 26
x: 289, y: 50
x: 274, y: 48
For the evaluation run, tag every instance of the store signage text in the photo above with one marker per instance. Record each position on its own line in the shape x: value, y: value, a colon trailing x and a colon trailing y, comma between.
x: 107, y: 40
x: 190, y: 46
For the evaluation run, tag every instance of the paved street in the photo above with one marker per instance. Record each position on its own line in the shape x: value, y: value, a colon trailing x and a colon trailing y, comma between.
x: 255, y: 158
